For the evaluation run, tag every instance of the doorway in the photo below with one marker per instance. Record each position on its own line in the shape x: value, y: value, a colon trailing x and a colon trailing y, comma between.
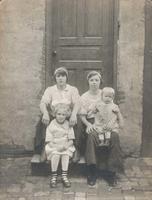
x: 81, y: 35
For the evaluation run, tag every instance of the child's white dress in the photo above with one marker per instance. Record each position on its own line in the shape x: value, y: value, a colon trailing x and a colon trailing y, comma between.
x: 58, y: 135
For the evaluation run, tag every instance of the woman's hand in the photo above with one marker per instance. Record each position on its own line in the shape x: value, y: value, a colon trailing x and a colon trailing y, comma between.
x: 46, y: 119
x: 90, y: 128
x: 73, y: 120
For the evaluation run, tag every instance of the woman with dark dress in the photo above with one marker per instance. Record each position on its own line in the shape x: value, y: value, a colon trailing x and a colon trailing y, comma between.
x: 107, y: 160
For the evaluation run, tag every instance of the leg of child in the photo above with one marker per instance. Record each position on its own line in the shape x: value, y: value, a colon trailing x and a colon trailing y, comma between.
x: 65, y: 165
x: 107, y: 138
x: 101, y: 138
x: 54, y: 166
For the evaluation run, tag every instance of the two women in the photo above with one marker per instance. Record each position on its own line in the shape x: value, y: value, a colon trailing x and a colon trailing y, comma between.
x: 107, y: 160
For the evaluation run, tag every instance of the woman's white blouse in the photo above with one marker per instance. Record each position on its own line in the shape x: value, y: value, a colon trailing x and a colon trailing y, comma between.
x: 88, y: 103
x: 53, y: 96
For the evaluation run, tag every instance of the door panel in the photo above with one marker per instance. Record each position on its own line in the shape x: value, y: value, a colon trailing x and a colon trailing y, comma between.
x: 93, y: 18
x: 82, y: 37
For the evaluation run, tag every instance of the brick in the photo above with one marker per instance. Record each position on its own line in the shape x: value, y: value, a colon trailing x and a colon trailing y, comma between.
x: 80, y: 194
x: 148, y: 161
x: 68, y: 196
x: 129, y: 198
x: 28, y: 188
x: 14, y: 188
x: 41, y: 194
x: 138, y: 172
x: 147, y: 173
x: 143, y: 182
x: 79, y: 198
x: 3, y: 196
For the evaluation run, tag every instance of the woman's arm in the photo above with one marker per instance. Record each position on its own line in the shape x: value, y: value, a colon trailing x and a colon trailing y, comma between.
x: 43, y: 106
x: 45, y: 117
x: 76, y: 106
x: 89, y: 127
x: 73, y: 117
x: 116, y: 110
x: 120, y: 119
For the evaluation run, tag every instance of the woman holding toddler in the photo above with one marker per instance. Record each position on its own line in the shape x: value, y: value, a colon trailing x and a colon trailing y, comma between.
x: 100, y: 154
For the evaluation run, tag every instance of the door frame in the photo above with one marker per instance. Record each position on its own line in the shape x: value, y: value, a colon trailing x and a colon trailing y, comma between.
x: 48, y: 42
x: 147, y: 81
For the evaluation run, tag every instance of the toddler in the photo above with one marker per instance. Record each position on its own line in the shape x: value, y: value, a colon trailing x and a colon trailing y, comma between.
x: 108, y: 118
x: 59, y: 144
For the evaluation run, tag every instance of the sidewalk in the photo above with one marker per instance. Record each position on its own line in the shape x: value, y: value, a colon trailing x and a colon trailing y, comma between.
x: 17, y: 183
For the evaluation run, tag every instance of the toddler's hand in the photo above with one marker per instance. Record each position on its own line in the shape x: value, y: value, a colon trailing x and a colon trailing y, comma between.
x: 115, y: 109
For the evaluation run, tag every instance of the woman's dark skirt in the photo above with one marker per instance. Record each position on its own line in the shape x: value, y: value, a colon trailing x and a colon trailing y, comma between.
x: 105, y: 158
x: 39, y: 140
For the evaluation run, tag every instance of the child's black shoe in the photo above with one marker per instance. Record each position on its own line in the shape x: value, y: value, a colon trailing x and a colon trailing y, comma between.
x: 66, y: 182
x: 53, y: 180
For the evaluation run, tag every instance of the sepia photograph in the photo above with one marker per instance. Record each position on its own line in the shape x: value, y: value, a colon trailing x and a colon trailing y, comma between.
x: 76, y: 115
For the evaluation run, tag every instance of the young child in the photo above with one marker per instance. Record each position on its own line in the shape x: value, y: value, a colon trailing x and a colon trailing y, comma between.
x: 59, y: 144
x: 108, y: 118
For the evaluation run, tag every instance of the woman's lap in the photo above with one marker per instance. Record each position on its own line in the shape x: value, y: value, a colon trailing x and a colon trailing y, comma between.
x: 107, y: 158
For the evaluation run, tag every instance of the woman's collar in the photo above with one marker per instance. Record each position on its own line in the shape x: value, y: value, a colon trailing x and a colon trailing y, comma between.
x: 95, y: 92
x: 65, y: 89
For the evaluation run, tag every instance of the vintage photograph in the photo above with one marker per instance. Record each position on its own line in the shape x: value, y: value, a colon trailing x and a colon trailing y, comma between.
x: 76, y: 99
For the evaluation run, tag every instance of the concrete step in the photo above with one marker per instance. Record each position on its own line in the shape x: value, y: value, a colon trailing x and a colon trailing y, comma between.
x: 42, y: 168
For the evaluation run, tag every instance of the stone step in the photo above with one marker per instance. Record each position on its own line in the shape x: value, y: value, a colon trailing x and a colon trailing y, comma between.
x: 42, y: 168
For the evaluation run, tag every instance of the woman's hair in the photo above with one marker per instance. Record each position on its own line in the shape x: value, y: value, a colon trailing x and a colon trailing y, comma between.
x: 94, y: 73
x: 63, y: 107
x: 61, y: 71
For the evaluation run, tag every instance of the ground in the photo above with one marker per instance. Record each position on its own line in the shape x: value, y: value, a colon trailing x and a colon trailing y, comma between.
x: 17, y: 183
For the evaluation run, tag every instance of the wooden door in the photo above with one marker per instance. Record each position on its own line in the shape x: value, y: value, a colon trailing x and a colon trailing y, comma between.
x: 147, y: 100
x: 80, y: 36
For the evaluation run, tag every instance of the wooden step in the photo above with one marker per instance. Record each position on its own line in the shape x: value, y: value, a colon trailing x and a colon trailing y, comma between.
x: 37, y: 159
x: 39, y: 168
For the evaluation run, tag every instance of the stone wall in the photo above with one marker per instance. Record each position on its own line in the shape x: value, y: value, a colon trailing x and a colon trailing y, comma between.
x: 22, y: 25
x: 130, y: 71
x: 22, y: 70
